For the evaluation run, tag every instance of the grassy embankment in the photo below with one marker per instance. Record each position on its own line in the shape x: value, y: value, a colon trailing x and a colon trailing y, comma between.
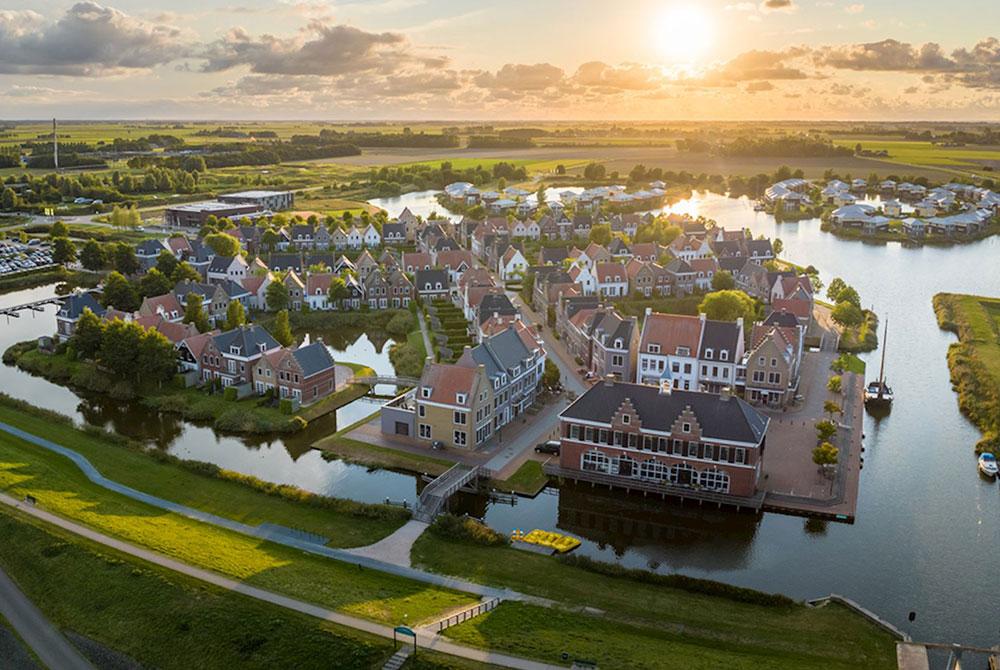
x: 527, y: 480
x: 249, y: 415
x: 974, y: 361
x: 649, y: 621
x: 208, y: 488
x: 26, y: 280
x: 861, y: 338
x: 61, y: 488
x: 163, y: 619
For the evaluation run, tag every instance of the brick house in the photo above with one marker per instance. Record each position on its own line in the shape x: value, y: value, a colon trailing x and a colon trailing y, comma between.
x: 232, y: 355
x: 661, y: 435
x: 307, y: 374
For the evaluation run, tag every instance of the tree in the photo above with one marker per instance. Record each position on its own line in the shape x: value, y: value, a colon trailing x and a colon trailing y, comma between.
x: 166, y: 263
x: 92, y: 256
x: 59, y: 229
x: 835, y: 287
x: 728, y: 305
x: 601, y: 234
x: 87, y: 334
x: 123, y: 259
x: 156, y: 358
x: 283, y: 330
x: 831, y: 408
x: 848, y: 294
x: 269, y: 238
x: 848, y: 315
x: 118, y: 293
x: 120, y: 347
x: 337, y: 291
x: 235, y: 315
x: 777, y: 246
x: 723, y: 281
x: 8, y: 199
x: 834, y: 384
x: 276, y: 295
x: 63, y: 251
x: 551, y: 375
x: 825, y: 454
x: 184, y: 272
x: 194, y: 313
x: 825, y: 429
x: 223, y: 244
x: 154, y: 283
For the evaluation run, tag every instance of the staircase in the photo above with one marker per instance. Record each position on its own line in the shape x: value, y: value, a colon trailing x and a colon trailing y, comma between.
x: 397, y: 660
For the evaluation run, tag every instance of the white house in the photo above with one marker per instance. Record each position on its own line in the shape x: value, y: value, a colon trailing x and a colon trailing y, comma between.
x: 355, y: 238
x: 227, y: 267
x: 372, y: 238
x: 612, y: 280
x: 512, y: 265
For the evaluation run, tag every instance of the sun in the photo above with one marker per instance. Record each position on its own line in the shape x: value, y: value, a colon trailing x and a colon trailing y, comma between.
x: 683, y: 33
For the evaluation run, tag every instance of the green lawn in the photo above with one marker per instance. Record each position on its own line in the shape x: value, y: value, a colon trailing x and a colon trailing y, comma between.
x: 974, y: 361
x: 850, y: 363
x: 352, y: 525
x: 528, y: 479
x: 645, y: 615
x: 163, y: 619
x: 61, y: 488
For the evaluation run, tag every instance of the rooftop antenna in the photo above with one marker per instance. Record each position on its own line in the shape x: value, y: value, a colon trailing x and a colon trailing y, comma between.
x: 55, y: 145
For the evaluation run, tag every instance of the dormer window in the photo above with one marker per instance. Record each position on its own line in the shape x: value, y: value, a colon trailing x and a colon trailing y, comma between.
x: 234, y: 350
x: 709, y: 353
x: 683, y: 351
x: 425, y: 392
x: 724, y: 355
x: 653, y: 348
x: 460, y: 398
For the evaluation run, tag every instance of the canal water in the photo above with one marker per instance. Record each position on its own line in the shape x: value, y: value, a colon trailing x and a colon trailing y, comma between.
x: 928, y: 527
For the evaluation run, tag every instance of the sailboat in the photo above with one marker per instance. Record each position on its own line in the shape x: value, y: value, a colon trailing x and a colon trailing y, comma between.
x: 878, y: 393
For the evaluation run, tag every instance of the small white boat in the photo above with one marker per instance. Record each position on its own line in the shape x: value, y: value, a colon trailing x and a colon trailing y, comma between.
x: 988, y: 464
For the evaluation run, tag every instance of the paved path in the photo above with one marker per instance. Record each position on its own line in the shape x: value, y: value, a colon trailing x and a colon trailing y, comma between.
x: 52, y: 648
x: 269, y: 533
x: 425, y: 639
x: 394, y: 549
x: 423, y: 332
x: 540, y: 427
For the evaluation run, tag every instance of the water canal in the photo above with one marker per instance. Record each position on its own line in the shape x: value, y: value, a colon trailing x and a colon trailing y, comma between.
x: 928, y: 528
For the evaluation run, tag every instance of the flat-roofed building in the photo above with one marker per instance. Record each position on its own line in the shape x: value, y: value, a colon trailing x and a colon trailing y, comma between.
x: 272, y: 200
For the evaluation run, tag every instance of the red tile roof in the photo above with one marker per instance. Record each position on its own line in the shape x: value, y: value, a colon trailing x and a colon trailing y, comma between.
x: 671, y: 331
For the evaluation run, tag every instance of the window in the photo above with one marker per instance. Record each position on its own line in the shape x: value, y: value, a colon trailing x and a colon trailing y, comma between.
x: 588, y: 434
x: 686, y: 427
x: 758, y: 376
x: 617, y: 360
x: 425, y: 392
x: 687, y: 368
x: 574, y: 431
x: 709, y: 353
x: 626, y: 419
x: 633, y: 440
x: 653, y: 348
x: 459, y: 438
x: 425, y: 431
x: 460, y: 418
x: 618, y: 438
x: 603, y: 436
x: 774, y: 378
x: 774, y: 362
x: 740, y: 455
x: 724, y: 355
x: 683, y: 351
x: 704, y: 370
x: 596, y: 461
x: 421, y: 411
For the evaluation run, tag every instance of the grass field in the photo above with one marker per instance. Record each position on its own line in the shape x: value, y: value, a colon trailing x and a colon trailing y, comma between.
x: 62, y: 489
x: 528, y: 479
x: 645, y: 622
x: 974, y: 361
x: 165, y: 620
x: 928, y: 153
x: 223, y: 497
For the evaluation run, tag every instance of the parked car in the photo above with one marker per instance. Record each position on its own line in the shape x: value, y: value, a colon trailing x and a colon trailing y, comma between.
x: 437, y: 444
x: 550, y: 447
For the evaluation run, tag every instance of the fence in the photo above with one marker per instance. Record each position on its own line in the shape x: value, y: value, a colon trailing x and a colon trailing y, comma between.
x: 470, y: 613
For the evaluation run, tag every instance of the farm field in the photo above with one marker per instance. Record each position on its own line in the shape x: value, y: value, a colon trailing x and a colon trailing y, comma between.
x: 969, y: 157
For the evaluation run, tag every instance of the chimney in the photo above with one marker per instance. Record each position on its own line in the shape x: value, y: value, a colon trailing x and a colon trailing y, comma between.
x: 429, y: 360
x: 739, y: 323
x: 666, y: 387
x: 725, y: 394
x: 649, y: 310
x: 703, y: 317
x: 609, y: 380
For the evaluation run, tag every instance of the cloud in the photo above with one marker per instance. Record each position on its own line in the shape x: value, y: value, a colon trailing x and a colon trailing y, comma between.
x: 521, y: 78
x: 630, y: 76
x: 756, y: 65
x: 777, y: 6
x: 888, y: 55
x: 759, y: 86
x: 856, y: 8
x: 88, y: 40
x: 321, y: 49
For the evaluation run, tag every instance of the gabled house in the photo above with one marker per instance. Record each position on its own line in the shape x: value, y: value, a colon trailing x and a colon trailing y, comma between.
x: 432, y: 284
x: 414, y: 261
x: 772, y: 365
x: 372, y: 238
x: 306, y: 374
x: 318, y: 291
x: 376, y: 290
x: 214, y: 299
x: 232, y: 355
x: 612, y: 280
x: 394, y: 234
x: 224, y: 268
x: 166, y: 306
x: 296, y: 289
x: 400, y: 289
x: 512, y: 265
x: 668, y: 350
x: 70, y: 311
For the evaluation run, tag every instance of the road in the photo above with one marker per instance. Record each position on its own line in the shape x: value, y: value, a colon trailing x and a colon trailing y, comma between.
x: 425, y: 639
x: 49, y: 645
x: 554, y: 348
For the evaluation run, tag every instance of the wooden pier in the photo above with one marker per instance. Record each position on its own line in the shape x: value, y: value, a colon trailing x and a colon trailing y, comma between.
x: 34, y: 306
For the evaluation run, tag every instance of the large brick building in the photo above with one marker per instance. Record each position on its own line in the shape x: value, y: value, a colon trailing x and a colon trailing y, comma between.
x: 664, y: 436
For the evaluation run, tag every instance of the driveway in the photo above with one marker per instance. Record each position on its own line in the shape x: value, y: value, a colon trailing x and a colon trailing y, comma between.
x: 52, y: 648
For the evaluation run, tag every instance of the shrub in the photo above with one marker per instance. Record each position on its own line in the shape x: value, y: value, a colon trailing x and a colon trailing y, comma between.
x: 122, y: 390
x: 229, y: 393
x: 692, y: 584
x: 285, y: 406
x: 466, y: 529
x: 825, y: 429
x: 834, y: 384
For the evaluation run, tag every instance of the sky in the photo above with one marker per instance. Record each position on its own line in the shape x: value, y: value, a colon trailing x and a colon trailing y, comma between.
x: 631, y: 60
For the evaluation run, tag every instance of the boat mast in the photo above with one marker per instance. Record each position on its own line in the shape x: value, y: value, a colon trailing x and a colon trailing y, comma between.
x: 881, y: 371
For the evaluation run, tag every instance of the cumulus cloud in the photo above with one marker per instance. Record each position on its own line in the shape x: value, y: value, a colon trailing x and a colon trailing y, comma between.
x: 856, y: 8
x: 757, y: 65
x: 88, y: 40
x: 521, y: 78
x: 630, y: 76
x: 325, y: 50
x: 887, y: 55
x: 777, y: 6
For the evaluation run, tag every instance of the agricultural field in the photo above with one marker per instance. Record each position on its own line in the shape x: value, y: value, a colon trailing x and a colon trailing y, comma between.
x: 961, y: 159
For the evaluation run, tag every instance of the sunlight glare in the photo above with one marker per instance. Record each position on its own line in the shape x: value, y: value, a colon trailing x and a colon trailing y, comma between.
x: 683, y: 33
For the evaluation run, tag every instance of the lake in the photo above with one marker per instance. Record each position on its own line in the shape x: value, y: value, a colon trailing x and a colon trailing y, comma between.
x: 928, y: 527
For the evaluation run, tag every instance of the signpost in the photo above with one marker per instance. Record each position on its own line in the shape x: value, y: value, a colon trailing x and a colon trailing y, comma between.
x: 404, y: 630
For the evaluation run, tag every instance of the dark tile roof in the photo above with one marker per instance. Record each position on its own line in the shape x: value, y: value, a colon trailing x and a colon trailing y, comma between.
x: 73, y: 305
x: 220, y: 263
x: 248, y: 338
x: 495, y: 303
x: 206, y: 291
x: 782, y: 318
x: 394, y: 230
x: 426, y: 280
x: 720, y: 419
x: 313, y: 358
x: 720, y: 336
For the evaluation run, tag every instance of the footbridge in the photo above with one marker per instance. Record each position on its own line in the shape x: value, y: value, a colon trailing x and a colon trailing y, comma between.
x: 36, y: 306
x: 436, y: 494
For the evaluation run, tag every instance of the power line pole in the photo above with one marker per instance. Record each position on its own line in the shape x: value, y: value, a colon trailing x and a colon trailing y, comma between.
x: 55, y: 145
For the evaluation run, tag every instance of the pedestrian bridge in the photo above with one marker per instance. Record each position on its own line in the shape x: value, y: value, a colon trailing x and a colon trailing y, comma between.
x: 36, y: 306
x: 384, y: 379
x: 436, y: 494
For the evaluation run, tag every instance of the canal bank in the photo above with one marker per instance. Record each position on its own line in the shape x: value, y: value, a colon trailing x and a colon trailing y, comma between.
x: 926, y: 524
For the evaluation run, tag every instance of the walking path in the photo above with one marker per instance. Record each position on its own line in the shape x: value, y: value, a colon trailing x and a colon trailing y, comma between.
x: 52, y: 648
x: 425, y: 639
x: 395, y: 548
x: 270, y: 533
x: 428, y: 348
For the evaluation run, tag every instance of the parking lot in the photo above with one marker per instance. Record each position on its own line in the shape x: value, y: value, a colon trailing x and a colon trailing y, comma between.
x: 20, y: 257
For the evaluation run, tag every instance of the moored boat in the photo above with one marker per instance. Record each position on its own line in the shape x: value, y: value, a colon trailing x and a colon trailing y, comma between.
x: 878, y: 393
x: 988, y: 464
